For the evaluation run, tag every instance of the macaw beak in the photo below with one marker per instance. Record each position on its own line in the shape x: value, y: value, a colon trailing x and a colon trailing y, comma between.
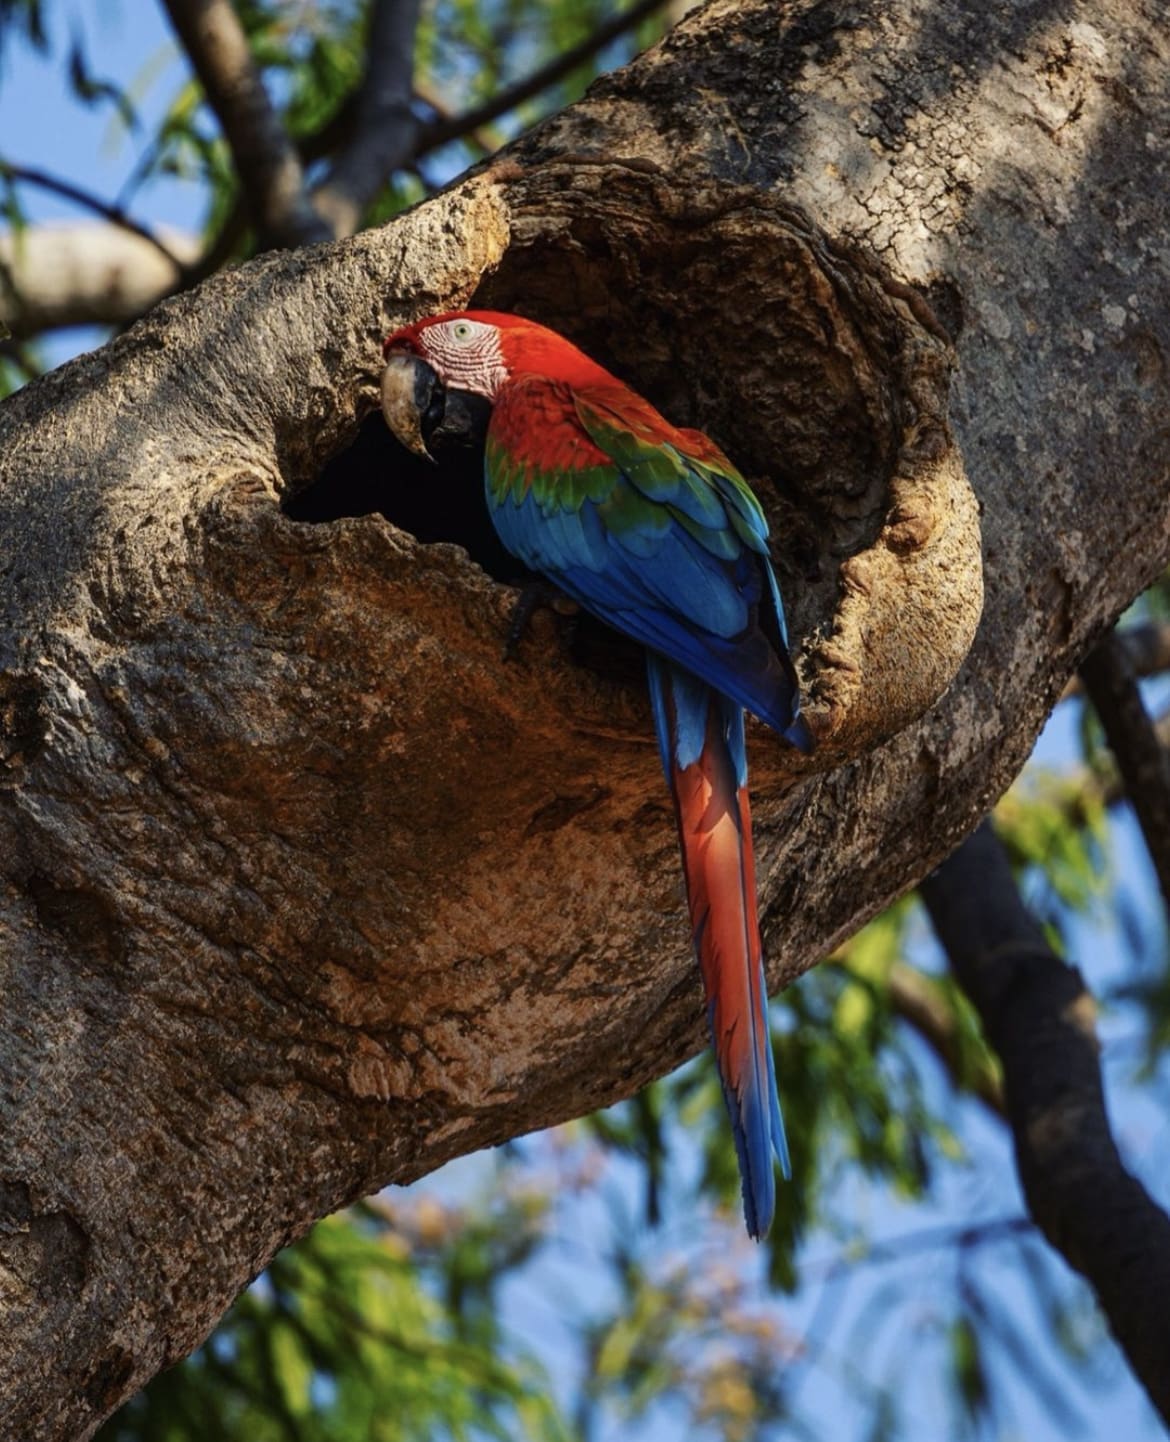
x: 422, y: 412
x: 412, y: 400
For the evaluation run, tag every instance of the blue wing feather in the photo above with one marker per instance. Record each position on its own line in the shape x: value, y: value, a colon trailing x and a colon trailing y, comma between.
x: 668, y: 592
x: 671, y: 552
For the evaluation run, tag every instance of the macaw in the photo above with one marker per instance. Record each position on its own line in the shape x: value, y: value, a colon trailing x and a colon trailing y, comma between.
x: 651, y: 528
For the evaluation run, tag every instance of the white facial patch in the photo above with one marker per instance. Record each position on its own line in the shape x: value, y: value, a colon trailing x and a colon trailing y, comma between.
x: 466, y: 354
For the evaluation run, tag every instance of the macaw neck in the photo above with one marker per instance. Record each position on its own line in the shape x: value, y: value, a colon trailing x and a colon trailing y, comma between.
x: 551, y: 357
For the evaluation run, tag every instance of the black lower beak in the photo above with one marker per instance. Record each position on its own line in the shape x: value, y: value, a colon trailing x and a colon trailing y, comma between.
x: 424, y: 414
x: 456, y: 418
x: 430, y: 400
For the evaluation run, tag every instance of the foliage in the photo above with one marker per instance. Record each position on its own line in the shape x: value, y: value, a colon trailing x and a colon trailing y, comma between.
x: 347, y: 1336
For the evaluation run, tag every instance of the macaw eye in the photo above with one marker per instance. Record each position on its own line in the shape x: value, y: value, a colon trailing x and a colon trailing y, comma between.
x: 461, y: 330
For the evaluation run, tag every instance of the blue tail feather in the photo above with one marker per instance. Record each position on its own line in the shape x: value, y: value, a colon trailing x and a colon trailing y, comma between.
x: 701, y: 740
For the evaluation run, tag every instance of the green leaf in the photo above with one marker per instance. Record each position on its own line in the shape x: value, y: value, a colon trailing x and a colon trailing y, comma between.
x: 970, y: 1373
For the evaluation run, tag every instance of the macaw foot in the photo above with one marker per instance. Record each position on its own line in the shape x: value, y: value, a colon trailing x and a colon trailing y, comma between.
x: 534, y: 593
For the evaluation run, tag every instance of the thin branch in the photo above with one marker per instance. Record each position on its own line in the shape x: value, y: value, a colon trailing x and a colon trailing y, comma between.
x: 485, y: 138
x: 1142, y: 760
x: 1147, y: 646
x: 376, y: 128
x: 442, y: 132
x: 920, y: 1002
x: 30, y: 175
x: 1088, y: 789
x: 965, y: 1237
x: 1039, y: 1017
x: 385, y: 127
x: 266, y: 160
x: 87, y: 273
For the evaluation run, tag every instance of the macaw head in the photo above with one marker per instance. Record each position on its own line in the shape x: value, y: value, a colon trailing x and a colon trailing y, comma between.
x: 443, y: 373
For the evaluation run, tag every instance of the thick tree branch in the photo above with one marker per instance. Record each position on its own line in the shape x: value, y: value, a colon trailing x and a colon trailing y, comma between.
x: 1040, y: 1019
x: 384, y: 124
x: 63, y: 275
x: 266, y: 160
x: 1142, y: 760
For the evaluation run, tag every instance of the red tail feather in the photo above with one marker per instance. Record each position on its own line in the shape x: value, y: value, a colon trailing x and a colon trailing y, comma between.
x: 714, y: 824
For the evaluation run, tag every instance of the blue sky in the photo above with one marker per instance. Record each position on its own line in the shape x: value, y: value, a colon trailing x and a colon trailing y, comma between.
x: 40, y: 126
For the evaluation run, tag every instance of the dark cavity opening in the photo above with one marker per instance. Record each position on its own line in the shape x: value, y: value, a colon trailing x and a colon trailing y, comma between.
x: 444, y: 501
x: 434, y: 502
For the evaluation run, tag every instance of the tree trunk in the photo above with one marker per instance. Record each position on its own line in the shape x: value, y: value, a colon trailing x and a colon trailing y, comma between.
x: 304, y: 891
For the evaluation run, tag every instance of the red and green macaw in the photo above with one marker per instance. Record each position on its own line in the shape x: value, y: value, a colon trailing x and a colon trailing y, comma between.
x: 651, y: 528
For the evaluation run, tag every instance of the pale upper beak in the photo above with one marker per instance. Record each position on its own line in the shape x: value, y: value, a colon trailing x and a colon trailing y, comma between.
x: 410, y: 392
x: 421, y: 410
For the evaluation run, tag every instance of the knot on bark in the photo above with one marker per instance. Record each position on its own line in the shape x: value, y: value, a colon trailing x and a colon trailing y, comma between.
x: 24, y: 723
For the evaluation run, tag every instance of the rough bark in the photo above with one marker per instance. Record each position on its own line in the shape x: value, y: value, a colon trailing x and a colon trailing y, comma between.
x: 301, y: 890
